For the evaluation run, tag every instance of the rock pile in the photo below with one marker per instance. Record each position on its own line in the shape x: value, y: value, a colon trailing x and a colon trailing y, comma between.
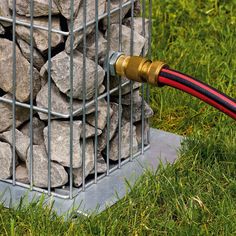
x: 61, y: 91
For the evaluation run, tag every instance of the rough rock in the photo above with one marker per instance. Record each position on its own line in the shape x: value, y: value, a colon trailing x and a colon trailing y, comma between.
x: 40, y: 7
x: 101, y: 165
x: 64, y: 7
x: 5, y: 12
x: 89, y: 164
x: 22, y: 72
x: 91, y: 47
x: 60, y: 142
x: 59, y: 176
x: 125, y: 143
x: 22, y: 174
x: 40, y: 37
x: 79, y: 21
x: 5, y: 160
x: 137, y: 111
x: 38, y: 127
x: 102, y: 140
x: 22, y: 142
x: 138, y: 27
x: 90, y: 131
x: 102, y: 115
x: 22, y: 114
x: 38, y: 60
x: 139, y: 132
x: 138, y: 42
x: 115, y: 17
x: 126, y: 99
x: 60, y: 102
x: 60, y: 73
x: 2, y: 30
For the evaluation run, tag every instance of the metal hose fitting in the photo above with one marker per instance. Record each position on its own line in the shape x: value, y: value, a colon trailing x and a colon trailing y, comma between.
x: 135, y: 68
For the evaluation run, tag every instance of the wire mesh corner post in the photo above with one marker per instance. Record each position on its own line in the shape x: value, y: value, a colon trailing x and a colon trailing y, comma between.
x: 67, y: 123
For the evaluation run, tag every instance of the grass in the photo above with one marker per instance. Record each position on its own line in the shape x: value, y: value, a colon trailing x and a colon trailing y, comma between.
x: 196, y: 195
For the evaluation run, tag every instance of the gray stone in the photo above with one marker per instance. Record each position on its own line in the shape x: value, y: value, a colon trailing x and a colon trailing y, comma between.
x: 125, y: 143
x: 139, y: 132
x: 60, y: 72
x: 102, y: 115
x: 137, y: 111
x: 60, y: 142
x: 38, y: 127
x: 5, y: 12
x: 40, y: 7
x: 22, y: 142
x: 22, y: 174
x: 22, y: 72
x: 58, y: 176
x: 101, y: 165
x: 138, y: 27
x: 60, y: 103
x: 102, y: 140
x: 114, y: 83
x: 5, y: 160
x: 64, y: 7
x: 21, y: 115
x: 126, y: 99
x: 2, y: 30
x: 40, y: 37
x: 138, y: 42
x: 89, y: 164
x: 91, y: 47
x: 79, y: 21
x: 38, y: 60
x: 90, y: 131
x: 115, y: 17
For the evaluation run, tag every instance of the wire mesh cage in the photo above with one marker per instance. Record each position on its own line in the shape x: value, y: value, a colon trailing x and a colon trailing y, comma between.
x: 66, y: 123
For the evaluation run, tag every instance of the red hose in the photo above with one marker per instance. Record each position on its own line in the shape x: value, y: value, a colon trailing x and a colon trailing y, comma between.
x: 198, y: 89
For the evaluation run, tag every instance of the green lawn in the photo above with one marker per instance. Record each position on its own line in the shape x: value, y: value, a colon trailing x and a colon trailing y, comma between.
x: 196, y: 195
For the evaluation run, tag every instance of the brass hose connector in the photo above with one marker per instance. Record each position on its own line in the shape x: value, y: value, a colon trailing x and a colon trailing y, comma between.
x: 135, y: 68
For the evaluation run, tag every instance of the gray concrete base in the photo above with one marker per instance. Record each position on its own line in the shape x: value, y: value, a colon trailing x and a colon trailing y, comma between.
x: 163, y: 148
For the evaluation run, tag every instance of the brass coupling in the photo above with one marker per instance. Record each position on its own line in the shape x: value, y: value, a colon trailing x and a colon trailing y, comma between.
x: 135, y: 68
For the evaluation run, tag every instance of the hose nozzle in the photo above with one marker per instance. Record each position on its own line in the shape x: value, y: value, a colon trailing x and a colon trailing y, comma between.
x: 135, y: 68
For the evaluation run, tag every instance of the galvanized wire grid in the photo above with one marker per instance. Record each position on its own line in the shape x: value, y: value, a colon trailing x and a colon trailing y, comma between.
x: 70, y: 191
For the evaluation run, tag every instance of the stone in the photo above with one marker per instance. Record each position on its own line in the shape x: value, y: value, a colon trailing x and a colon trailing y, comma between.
x: 102, y: 139
x: 101, y: 165
x: 125, y: 89
x: 21, y: 115
x: 60, y: 103
x: 60, y: 73
x: 125, y: 143
x: 91, y: 47
x: 22, y: 174
x: 102, y: 115
x: 2, y: 30
x: 60, y: 142
x: 38, y: 60
x: 90, y: 131
x: 5, y: 160
x: 126, y: 99
x: 40, y: 7
x: 139, y: 132
x: 138, y: 40
x: 137, y: 111
x: 5, y: 12
x: 40, y: 37
x: 64, y: 7
x: 22, y: 72
x: 115, y: 17
x: 22, y: 142
x: 89, y: 164
x: 59, y: 176
x: 138, y: 27
x: 79, y: 21
x: 38, y: 127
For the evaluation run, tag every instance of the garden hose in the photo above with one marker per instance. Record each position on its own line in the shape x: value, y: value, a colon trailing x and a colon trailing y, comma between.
x: 158, y: 73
